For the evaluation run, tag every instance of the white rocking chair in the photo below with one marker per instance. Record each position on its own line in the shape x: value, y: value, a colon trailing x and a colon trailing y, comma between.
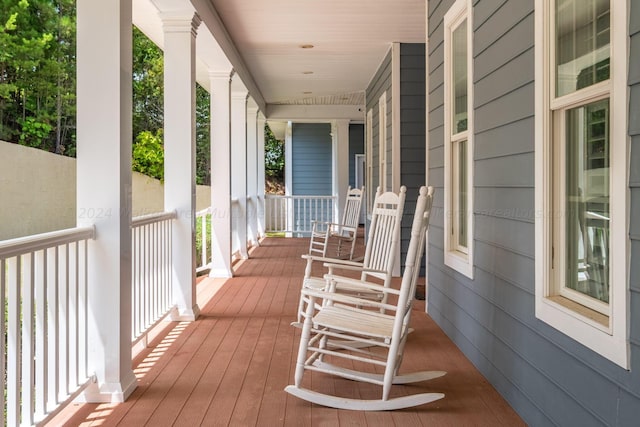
x: 379, y: 257
x: 323, y: 233
x: 335, y: 315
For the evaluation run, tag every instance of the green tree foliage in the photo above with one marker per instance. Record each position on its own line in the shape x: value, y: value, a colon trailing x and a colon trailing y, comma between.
x: 148, y: 112
x: 148, y: 84
x: 273, y: 154
x: 148, y: 154
x: 37, y: 73
x: 38, y: 86
x: 203, y: 136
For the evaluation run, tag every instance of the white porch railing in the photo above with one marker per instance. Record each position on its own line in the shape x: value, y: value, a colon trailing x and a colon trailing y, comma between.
x: 236, y: 211
x: 43, y: 290
x: 151, y: 297
x: 294, y: 214
x: 203, y: 261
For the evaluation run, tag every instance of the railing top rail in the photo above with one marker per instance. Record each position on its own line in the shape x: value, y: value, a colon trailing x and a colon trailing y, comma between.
x: 280, y: 196
x: 139, y: 221
x: 23, y: 245
x: 205, y: 211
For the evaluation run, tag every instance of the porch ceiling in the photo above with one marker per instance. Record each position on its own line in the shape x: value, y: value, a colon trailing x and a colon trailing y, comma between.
x: 263, y: 42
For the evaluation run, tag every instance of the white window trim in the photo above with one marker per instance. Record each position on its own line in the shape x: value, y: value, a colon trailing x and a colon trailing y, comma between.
x: 612, y: 341
x: 382, y: 141
x: 395, y: 118
x: 461, y: 262
x: 371, y: 189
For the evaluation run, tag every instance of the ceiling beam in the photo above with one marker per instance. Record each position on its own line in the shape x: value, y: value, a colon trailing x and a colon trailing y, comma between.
x: 314, y: 112
x: 214, y: 23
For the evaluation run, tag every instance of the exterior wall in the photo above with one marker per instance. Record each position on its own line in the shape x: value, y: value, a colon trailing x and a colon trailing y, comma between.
x: 311, y: 169
x: 547, y: 377
x: 411, y: 143
x: 38, y: 192
x: 311, y: 159
x: 356, y: 146
x: 412, y: 132
x: 380, y: 83
x: 631, y: 395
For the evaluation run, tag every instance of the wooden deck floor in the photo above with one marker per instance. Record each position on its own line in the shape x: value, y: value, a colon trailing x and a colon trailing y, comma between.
x: 231, y: 365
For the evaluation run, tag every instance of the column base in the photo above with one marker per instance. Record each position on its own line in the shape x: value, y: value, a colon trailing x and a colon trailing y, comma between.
x: 188, y: 315
x: 220, y: 273
x: 108, y: 392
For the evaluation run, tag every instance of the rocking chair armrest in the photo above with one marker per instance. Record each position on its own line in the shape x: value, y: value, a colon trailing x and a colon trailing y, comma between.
x: 357, y: 283
x: 334, y: 261
x: 343, y: 299
x: 330, y: 225
x: 353, y: 266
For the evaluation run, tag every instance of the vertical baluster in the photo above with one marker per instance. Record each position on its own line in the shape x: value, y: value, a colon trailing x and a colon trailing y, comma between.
x: 83, y: 303
x: 41, y: 356
x: 154, y: 268
x: 53, y: 331
x: 3, y: 345
x: 27, y: 339
x: 64, y: 322
x: 169, y: 264
x: 162, y: 265
x: 203, y: 248
x: 73, y: 315
x: 135, y: 273
x: 145, y: 279
x: 13, y: 343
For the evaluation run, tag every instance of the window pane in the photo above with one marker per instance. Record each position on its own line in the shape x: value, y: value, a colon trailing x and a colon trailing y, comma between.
x: 459, y: 54
x: 582, y: 44
x: 587, y: 204
x: 462, y: 194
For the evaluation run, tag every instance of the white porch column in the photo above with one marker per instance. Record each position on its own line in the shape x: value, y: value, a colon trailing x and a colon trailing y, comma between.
x: 179, y: 147
x: 340, y: 138
x: 239, y: 164
x: 221, y: 173
x: 288, y: 173
x: 252, y: 172
x: 104, y: 81
x: 260, y: 177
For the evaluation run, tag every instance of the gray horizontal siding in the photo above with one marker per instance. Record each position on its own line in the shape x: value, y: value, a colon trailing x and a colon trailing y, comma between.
x: 356, y: 146
x: 545, y: 375
x: 412, y: 131
x: 311, y: 159
x: 380, y: 83
x: 630, y: 395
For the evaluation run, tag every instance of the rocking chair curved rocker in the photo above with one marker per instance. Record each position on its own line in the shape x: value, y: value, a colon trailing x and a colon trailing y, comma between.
x: 378, y: 324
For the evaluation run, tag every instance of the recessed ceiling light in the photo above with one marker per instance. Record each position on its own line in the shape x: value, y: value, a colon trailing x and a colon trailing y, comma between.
x: 306, y: 46
x: 307, y: 72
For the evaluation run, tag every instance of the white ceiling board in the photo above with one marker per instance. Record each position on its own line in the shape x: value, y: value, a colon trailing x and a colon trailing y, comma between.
x: 350, y: 39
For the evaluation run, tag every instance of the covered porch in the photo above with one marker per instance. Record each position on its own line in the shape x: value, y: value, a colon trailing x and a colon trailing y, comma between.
x: 230, y: 366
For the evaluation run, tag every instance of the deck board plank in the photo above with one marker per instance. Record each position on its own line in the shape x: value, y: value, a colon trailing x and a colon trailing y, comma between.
x: 231, y: 365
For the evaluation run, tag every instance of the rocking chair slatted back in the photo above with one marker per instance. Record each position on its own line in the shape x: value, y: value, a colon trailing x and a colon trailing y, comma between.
x: 380, y: 253
x: 353, y: 321
x: 384, y: 233
x: 343, y: 233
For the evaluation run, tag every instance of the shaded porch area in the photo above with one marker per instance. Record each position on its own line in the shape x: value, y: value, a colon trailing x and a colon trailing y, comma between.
x: 230, y: 366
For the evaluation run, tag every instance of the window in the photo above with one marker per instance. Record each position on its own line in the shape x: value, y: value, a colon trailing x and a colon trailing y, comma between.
x: 382, y: 147
x: 581, y: 188
x: 458, y: 149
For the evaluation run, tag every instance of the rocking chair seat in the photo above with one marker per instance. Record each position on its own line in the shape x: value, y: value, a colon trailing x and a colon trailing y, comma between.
x: 354, y: 321
x: 331, y: 314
